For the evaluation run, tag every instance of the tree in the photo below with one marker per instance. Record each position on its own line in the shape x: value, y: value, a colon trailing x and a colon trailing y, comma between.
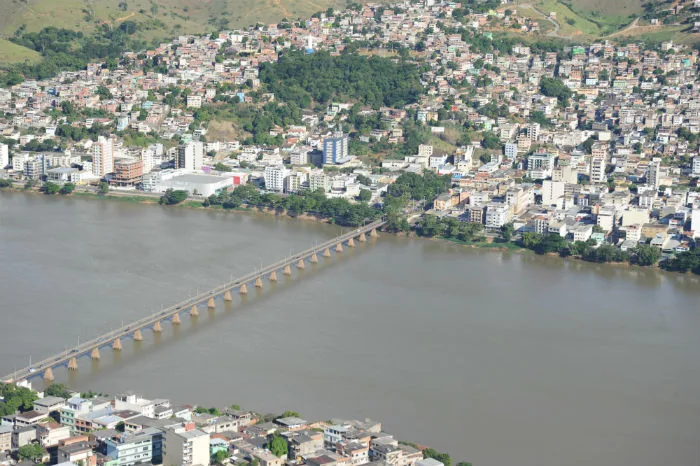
x: 58, y: 389
x: 220, y: 456
x: 31, y: 451
x: 172, y: 197
x: 363, y: 180
x: 646, y: 255
x: 507, y: 231
x: 103, y: 188
x: 222, y: 168
x: 365, y: 195
x: 67, y: 188
x: 444, y: 458
x: 51, y: 188
x: 15, y: 399
x: 553, y: 87
x: 490, y: 141
x: 278, y: 445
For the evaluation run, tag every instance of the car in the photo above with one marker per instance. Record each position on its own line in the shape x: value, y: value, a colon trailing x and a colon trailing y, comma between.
x: 31, y: 369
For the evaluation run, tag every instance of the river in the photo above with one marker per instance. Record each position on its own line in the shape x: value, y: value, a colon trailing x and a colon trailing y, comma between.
x: 497, y: 358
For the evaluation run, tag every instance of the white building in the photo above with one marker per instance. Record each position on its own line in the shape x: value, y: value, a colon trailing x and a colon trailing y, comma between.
x: 551, y: 191
x: 319, y: 180
x: 186, y: 447
x: 540, y: 166
x: 274, y: 177
x: 533, y: 131
x: 190, y: 156
x: 103, y: 157
x: 695, y: 223
x: 497, y: 215
x: 597, y: 172
x: 696, y: 165
x: 510, y: 150
x: 133, y: 402
x: 196, y: 184
x: 5, y: 155
x: 653, y: 175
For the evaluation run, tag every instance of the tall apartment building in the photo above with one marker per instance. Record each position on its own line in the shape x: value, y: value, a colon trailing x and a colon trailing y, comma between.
x: 190, y: 156
x: 319, y: 180
x: 274, y: 177
x: 696, y: 165
x: 540, y: 166
x: 335, y: 149
x: 128, y: 172
x: 186, y: 446
x: 533, y: 131
x: 4, y: 155
x: 653, y: 175
x: 103, y: 157
x: 695, y: 222
x: 597, y: 173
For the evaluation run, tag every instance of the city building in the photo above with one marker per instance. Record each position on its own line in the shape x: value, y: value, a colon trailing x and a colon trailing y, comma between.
x: 127, y: 172
x: 540, y: 166
x: 103, y: 157
x: 186, y: 446
x: 597, y: 172
x: 190, y: 156
x: 274, y: 177
x: 140, y: 447
x: 653, y: 174
x: 497, y: 215
x: 4, y: 156
x: 335, y: 150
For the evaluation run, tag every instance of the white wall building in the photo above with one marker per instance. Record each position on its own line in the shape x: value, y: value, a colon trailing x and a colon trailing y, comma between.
x: 190, y: 156
x: 497, y: 215
x: 551, y: 191
x: 597, y: 172
x: 186, y: 447
x: 103, y: 157
x: 4, y: 155
x: 695, y: 223
x: 696, y: 165
x: 274, y: 177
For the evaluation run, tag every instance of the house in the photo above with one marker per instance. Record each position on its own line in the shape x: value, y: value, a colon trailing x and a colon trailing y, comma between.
x: 292, y: 423
x: 48, y: 404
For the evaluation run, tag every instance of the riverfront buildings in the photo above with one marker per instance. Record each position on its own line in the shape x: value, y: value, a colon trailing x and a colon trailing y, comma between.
x: 549, y: 139
x: 130, y: 430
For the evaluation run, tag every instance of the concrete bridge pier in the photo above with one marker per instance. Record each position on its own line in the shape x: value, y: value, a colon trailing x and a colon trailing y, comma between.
x: 287, y: 270
x: 211, y: 304
x: 194, y: 312
x: 244, y: 289
x: 157, y: 328
x: 227, y: 296
x: 362, y: 237
x: 48, y: 375
x: 273, y: 276
x: 339, y: 247
x: 138, y: 336
x: 326, y: 252
x: 73, y: 364
x: 351, y: 243
x: 258, y: 283
x: 176, y: 319
x: 300, y: 264
x: 373, y: 233
x: 117, y: 345
x: 314, y: 258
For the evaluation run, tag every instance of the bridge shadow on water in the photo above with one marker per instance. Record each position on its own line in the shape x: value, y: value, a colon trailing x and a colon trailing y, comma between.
x: 154, y: 343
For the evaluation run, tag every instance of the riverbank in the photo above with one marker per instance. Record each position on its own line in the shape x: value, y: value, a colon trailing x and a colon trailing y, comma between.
x: 493, y: 245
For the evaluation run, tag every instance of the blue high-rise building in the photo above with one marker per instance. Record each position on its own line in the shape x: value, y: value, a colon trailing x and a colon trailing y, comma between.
x: 335, y: 150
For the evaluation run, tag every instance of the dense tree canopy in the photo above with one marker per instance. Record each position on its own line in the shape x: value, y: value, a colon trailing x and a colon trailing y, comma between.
x: 15, y: 399
x: 320, y: 77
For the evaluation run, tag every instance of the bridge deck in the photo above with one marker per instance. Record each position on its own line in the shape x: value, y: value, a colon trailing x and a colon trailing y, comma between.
x: 128, y: 330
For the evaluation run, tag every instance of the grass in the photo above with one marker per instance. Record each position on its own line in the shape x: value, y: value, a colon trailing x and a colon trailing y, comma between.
x: 158, y: 19
x: 13, y: 53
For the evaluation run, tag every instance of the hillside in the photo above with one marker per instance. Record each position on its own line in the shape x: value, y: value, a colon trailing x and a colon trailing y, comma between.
x: 155, y: 19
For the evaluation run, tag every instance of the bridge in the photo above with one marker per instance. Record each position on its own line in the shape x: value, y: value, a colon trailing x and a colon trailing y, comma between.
x: 153, y: 322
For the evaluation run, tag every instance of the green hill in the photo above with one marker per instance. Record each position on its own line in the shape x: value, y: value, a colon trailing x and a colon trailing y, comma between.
x: 157, y: 19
